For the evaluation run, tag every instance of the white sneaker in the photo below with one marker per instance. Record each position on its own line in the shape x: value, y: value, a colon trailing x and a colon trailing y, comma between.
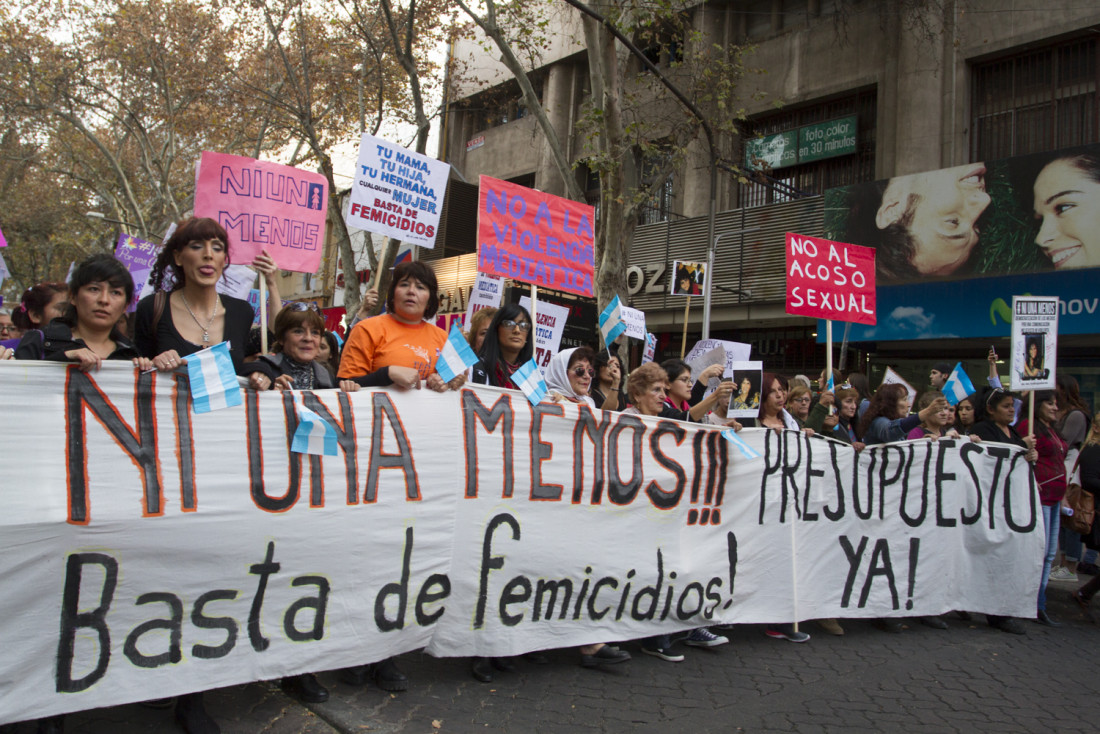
x: 1061, y: 573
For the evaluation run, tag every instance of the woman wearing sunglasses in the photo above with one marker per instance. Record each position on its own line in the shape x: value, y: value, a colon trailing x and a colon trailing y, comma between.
x: 506, y: 348
x: 569, y: 376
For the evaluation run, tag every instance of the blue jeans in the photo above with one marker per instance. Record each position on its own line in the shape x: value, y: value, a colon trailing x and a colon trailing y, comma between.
x: 1051, y: 519
x: 1071, y: 543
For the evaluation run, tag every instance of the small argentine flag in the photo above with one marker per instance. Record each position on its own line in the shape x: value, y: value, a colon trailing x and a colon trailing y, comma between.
x: 831, y: 387
x: 455, y: 356
x: 747, y: 451
x: 528, y: 378
x: 611, y: 321
x: 650, y: 347
x: 213, y: 381
x: 314, y: 434
x: 958, y: 386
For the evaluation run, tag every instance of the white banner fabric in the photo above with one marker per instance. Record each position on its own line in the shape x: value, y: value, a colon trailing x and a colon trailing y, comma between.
x: 156, y: 551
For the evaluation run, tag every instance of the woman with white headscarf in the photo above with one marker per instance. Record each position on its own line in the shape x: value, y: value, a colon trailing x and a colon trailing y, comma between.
x: 569, y: 376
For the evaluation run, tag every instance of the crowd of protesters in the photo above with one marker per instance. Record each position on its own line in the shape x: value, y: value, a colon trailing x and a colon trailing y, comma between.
x: 83, y: 322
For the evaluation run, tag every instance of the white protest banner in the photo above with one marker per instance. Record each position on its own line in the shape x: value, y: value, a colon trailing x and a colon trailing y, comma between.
x: 549, y: 327
x: 396, y: 192
x: 893, y: 378
x: 486, y: 293
x: 1034, y: 342
x: 4, y: 272
x: 634, y: 320
x: 153, y: 551
x: 745, y: 400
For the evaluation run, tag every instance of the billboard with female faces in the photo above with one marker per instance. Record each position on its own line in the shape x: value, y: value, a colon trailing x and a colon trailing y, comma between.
x: 1026, y: 214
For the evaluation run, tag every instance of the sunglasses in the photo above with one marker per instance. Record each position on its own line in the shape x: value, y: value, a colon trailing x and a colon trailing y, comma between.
x: 581, y: 372
x: 299, y: 306
x: 521, y: 325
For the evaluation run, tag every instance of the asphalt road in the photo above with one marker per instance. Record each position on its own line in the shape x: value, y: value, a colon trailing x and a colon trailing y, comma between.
x: 969, y: 678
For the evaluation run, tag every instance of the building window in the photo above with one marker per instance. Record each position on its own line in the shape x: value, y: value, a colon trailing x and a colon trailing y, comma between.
x: 655, y: 167
x: 771, y: 186
x: 1037, y: 100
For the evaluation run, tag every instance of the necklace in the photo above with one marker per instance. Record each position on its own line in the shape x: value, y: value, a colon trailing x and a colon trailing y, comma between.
x: 213, y: 315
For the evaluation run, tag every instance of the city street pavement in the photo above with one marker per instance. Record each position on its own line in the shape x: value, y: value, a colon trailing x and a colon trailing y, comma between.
x: 969, y: 678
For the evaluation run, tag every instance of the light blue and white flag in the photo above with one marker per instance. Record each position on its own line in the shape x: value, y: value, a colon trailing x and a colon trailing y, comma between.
x: 611, y: 321
x: 747, y: 451
x: 314, y: 434
x: 528, y: 378
x: 455, y: 356
x: 213, y: 380
x: 958, y: 386
x: 650, y: 347
x: 831, y: 387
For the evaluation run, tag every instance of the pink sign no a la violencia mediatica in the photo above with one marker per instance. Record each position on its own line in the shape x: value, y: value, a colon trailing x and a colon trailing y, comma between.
x: 264, y: 206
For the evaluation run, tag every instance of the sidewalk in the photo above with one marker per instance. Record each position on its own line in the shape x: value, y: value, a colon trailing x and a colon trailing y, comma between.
x: 969, y: 678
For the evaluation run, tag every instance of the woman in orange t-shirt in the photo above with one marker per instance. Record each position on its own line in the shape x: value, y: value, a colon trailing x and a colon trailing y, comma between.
x: 399, y: 347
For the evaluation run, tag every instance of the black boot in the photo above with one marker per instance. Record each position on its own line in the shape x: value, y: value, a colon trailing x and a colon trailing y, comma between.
x: 305, y: 688
x: 481, y: 669
x: 389, y: 677
x: 191, y: 715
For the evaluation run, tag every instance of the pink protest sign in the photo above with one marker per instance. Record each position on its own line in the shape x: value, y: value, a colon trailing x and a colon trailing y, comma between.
x: 533, y: 237
x: 830, y: 280
x: 264, y: 206
x: 3, y: 242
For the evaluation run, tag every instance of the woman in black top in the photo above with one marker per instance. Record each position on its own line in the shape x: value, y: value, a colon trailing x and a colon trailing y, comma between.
x: 296, y: 363
x: 507, y: 347
x: 86, y: 333
x: 1089, y: 465
x: 193, y: 315
x: 996, y: 411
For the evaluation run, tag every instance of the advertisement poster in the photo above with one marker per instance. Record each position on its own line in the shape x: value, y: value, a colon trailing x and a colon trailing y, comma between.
x: 397, y: 192
x: 1034, y: 342
x: 1000, y: 217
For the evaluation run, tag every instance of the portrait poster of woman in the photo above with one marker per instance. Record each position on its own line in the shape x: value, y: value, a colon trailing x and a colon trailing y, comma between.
x: 1027, y: 214
x: 688, y: 278
x: 745, y: 400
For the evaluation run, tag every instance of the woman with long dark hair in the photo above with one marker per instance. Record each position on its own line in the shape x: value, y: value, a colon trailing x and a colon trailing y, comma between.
x: 1050, y: 475
x: 887, y: 418
x: 507, y: 347
x: 39, y: 305
x: 1090, y: 481
x: 998, y: 411
x: 1074, y: 416
x: 192, y: 315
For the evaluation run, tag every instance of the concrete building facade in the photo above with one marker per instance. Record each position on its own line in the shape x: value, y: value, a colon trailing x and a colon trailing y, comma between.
x: 929, y: 85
